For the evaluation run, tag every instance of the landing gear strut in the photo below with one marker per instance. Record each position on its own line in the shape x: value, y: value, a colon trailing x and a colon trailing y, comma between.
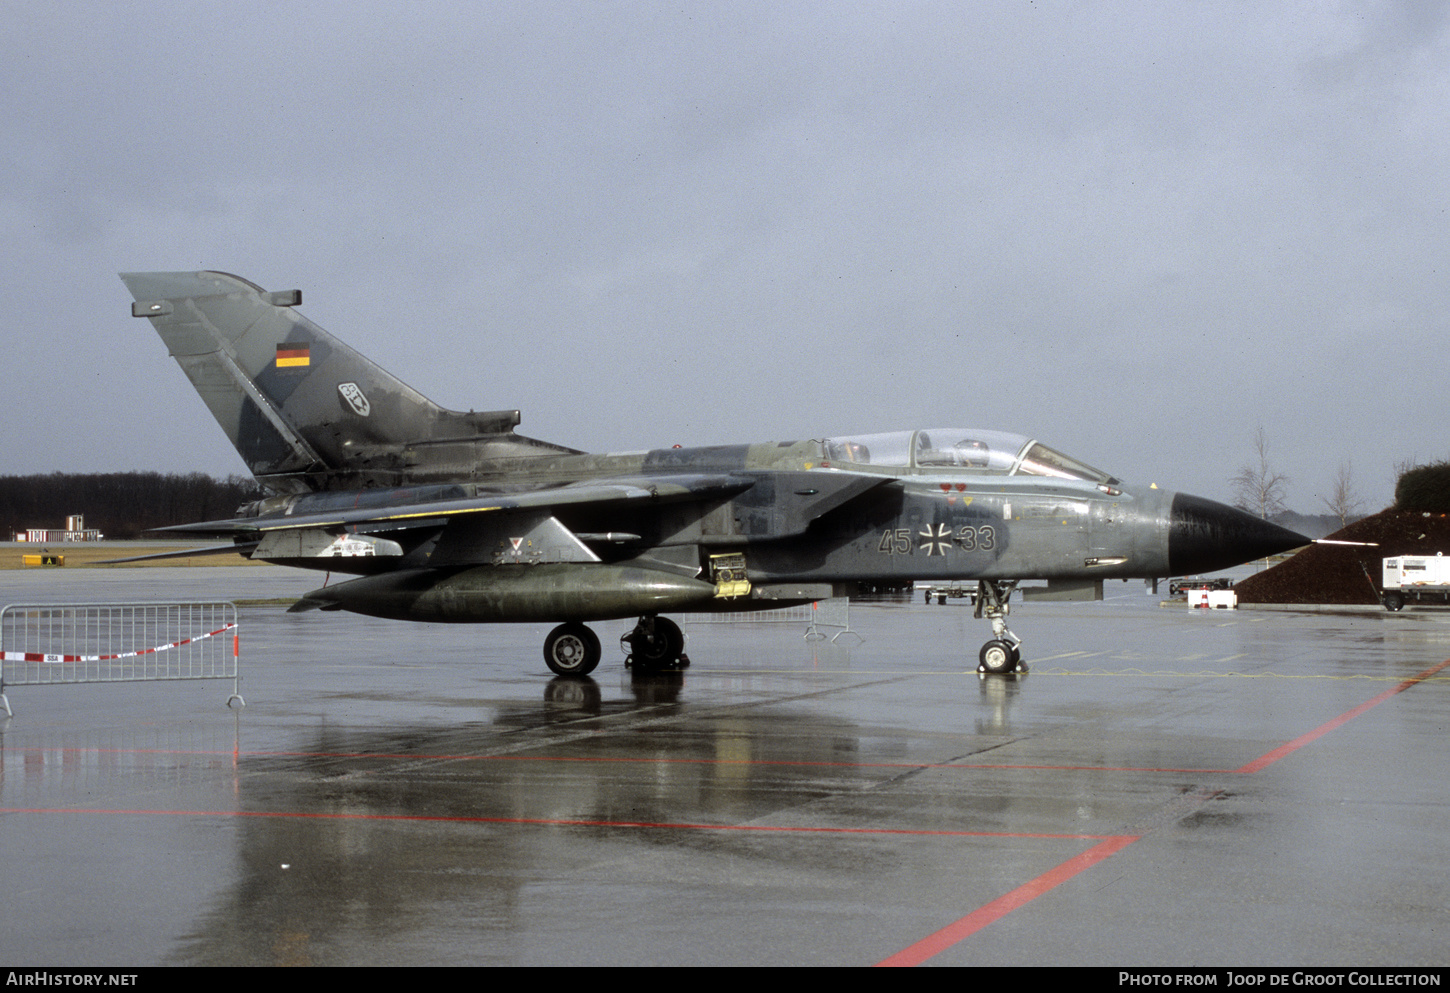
x: 655, y: 643
x: 1003, y: 654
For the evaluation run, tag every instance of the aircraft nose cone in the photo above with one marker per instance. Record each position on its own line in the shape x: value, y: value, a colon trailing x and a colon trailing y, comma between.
x: 1205, y: 535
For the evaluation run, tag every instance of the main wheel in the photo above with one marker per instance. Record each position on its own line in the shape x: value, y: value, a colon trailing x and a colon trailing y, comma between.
x: 571, y: 650
x: 999, y: 656
x: 662, y: 648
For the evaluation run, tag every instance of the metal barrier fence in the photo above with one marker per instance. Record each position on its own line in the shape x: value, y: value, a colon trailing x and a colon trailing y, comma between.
x: 49, y: 643
x: 792, y: 614
x: 832, y: 614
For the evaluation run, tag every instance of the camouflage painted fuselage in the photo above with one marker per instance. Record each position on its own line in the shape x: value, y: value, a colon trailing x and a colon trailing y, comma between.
x: 453, y: 516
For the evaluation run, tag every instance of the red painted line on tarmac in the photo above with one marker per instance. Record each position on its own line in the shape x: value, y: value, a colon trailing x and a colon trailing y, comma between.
x: 950, y: 935
x: 1268, y: 759
x: 553, y: 822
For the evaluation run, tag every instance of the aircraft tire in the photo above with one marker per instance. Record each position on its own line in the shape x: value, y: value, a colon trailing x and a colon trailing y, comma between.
x: 572, y: 650
x: 998, y: 657
x: 665, y: 648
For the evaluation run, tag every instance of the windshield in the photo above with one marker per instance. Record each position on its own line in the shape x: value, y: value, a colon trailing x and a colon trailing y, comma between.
x: 997, y: 452
x: 1039, y: 460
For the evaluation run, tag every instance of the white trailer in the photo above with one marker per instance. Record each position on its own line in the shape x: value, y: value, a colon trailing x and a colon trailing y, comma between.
x: 1421, y: 577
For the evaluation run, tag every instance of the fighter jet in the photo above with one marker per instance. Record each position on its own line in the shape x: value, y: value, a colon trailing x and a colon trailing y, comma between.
x: 452, y: 516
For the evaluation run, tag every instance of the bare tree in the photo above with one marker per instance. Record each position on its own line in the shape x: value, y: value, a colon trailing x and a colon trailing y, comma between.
x: 1259, y: 488
x: 1343, y: 502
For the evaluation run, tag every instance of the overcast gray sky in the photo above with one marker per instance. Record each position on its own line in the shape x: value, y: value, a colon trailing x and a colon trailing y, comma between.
x: 1137, y: 231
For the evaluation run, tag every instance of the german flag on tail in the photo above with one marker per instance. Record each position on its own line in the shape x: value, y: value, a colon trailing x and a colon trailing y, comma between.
x: 294, y: 355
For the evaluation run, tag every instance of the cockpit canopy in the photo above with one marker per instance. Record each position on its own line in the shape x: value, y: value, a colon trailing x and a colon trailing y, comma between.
x: 994, y: 452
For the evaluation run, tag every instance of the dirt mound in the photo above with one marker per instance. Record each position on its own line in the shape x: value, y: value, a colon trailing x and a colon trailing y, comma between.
x: 1345, y: 574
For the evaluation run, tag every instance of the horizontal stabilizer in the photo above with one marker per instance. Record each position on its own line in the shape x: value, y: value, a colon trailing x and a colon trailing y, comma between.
x: 186, y: 553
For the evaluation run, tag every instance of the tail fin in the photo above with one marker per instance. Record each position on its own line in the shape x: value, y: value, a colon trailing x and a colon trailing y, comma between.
x: 306, y: 411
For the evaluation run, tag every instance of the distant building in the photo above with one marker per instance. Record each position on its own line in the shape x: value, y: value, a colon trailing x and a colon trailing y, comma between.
x: 75, y: 530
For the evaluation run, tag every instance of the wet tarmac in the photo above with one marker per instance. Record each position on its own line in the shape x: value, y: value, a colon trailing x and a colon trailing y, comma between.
x: 1166, y: 788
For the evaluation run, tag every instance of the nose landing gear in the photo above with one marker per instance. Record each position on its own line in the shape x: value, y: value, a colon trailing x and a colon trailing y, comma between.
x: 1003, y: 654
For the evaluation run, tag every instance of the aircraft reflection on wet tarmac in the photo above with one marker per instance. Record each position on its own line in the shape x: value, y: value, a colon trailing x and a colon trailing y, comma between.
x: 400, y: 794
x: 364, y: 859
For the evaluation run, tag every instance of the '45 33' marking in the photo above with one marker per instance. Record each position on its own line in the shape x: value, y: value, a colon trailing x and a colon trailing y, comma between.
x: 936, y: 540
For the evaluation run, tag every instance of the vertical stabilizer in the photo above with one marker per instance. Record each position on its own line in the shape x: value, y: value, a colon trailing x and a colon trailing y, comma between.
x: 304, y: 409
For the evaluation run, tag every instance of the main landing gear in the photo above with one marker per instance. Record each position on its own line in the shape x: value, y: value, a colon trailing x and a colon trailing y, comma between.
x: 655, y: 643
x: 571, y: 650
x: 1003, y: 654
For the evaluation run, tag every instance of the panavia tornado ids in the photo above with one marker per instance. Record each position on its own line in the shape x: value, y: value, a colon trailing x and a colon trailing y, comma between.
x: 452, y: 516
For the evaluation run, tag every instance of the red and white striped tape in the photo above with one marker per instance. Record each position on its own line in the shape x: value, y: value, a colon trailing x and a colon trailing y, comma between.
x: 46, y: 657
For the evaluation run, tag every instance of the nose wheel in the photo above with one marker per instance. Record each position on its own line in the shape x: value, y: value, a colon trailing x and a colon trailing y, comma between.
x: 998, y: 656
x: 1003, y: 654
